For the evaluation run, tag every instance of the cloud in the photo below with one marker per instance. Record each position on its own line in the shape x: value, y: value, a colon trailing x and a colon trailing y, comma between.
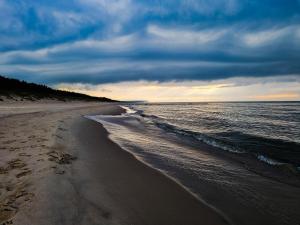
x: 228, y: 7
x: 269, y: 36
x: 279, y: 96
x: 100, y: 41
x: 222, y: 90
x: 188, y: 38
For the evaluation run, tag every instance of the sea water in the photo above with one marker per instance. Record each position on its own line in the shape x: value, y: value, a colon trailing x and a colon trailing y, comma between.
x: 183, y: 140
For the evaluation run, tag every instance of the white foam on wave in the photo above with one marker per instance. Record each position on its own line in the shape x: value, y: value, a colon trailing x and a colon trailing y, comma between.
x: 128, y: 109
x: 269, y: 161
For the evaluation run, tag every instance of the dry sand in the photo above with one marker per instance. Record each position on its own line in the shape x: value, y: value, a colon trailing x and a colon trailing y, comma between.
x: 57, y: 167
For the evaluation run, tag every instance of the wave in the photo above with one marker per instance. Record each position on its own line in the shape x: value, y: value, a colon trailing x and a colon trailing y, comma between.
x: 129, y: 110
x: 269, y: 161
x: 230, y: 147
x: 162, y: 124
x: 270, y: 151
x: 199, y: 137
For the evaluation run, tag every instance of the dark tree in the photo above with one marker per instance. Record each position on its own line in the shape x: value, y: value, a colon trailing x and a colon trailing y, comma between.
x: 12, y: 88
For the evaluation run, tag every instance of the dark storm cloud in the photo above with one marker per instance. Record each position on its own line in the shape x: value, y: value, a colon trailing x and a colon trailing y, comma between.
x: 100, y: 41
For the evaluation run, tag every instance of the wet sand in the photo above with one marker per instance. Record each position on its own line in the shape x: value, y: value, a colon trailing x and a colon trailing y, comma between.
x: 57, y: 167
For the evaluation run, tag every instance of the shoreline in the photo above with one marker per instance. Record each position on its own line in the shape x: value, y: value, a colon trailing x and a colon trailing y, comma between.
x: 76, y: 175
x: 191, y: 210
x: 163, y: 173
x: 237, y: 189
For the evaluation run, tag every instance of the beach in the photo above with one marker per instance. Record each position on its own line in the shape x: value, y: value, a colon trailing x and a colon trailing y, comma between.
x: 58, y: 167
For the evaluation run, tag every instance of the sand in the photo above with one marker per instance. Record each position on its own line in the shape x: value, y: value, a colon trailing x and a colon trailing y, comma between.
x: 57, y: 167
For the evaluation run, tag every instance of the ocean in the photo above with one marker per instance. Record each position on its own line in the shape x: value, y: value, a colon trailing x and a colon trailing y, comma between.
x: 247, y: 152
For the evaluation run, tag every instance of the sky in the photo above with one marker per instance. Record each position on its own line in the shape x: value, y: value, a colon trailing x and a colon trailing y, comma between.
x: 155, y: 50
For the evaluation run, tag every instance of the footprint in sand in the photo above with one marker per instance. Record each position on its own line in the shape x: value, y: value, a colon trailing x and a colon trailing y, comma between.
x: 10, y: 206
x: 11, y: 165
x: 24, y: 154
x: 8, y: 142
x: 60, y: 158
x: 62, y: 129
x: 6, y: 214
x: 3, y: 170
x: 60, y: 172
x: 55, y: 135
x: 24, y: 173
x: 16, y: 164
x: 42, y: 140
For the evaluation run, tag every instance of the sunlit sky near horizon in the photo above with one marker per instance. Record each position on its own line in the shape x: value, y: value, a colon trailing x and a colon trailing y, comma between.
x: 159, y: 50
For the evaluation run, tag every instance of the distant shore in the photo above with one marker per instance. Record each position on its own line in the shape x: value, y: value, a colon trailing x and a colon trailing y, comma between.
x: 58, y: 167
